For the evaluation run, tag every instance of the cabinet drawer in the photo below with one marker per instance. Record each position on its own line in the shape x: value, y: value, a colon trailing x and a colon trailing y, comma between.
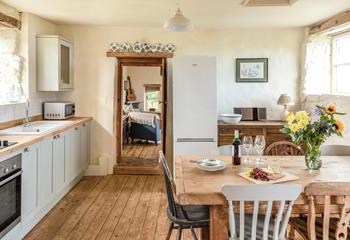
x: 274, y: 130
x: 242, y: 131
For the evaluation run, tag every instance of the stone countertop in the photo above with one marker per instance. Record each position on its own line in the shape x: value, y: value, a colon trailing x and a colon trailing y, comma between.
x: 24, y: 141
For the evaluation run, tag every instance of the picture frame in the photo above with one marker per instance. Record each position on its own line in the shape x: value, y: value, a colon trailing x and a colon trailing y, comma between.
x: 252, y: 70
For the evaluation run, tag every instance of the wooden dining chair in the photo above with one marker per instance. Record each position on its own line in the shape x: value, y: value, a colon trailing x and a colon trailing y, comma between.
x: 182, y: 216
x: 257, y: 226
x: 321, y: 223
x: 283, y: 148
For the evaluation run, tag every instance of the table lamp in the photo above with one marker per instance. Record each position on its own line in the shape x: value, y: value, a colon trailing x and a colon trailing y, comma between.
x: 285, y: 100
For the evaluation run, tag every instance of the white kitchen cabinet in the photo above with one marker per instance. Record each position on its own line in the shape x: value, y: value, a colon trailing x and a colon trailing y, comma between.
x: 72, y: 153
x: 54, y: 63
x: 59, y: 176
x: 50, y: 169
x: 85, y: 145
x: 77, y: 152
x: 30, y: 202
x: 45, y: 171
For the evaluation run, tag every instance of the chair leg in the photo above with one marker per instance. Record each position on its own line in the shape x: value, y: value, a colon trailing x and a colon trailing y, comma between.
x: 179, y: 233
x: 194, y: 235
x: 171, y: 227
x: 291, y: 233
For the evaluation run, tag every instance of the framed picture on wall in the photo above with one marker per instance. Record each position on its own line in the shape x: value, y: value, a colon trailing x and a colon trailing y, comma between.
x: 251, y: 70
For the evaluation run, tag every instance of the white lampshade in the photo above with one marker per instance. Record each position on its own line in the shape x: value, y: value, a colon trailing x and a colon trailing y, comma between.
x: 285, y: 99
x: 178, y: 23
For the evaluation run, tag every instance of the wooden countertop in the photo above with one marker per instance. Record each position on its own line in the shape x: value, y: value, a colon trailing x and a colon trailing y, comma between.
x: 266, y: 123
x: 24, y: 141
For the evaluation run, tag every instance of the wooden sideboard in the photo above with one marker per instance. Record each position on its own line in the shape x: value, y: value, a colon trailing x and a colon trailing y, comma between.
x: 270, y: 129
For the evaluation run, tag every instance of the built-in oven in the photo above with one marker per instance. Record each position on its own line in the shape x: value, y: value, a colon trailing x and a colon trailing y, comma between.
x: 10, y: 193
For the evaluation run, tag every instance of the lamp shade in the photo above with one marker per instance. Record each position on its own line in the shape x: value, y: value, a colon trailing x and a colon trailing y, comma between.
x: 178, y: 23
x: 285, y: 99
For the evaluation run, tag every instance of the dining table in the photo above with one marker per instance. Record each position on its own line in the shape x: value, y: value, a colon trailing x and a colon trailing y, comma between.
x: 198, y: 187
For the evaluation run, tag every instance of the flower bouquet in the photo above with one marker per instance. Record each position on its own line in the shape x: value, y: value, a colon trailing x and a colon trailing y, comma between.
x: 312, y: 133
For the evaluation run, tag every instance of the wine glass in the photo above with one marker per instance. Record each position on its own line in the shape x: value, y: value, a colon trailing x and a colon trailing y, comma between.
x: 259, y: 145
x: 247, y: 145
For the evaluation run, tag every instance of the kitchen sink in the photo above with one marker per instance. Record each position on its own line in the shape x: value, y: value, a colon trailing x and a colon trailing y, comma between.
x: 34, y: 128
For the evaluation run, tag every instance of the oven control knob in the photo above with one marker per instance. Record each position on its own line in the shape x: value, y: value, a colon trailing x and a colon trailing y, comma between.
x: 14, y: 166
x: 6, y: 170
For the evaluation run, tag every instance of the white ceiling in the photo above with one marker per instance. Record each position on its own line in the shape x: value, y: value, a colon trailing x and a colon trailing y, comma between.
x: 203, y: 13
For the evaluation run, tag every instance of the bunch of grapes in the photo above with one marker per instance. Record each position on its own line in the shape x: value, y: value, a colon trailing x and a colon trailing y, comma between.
x: 258, y: 173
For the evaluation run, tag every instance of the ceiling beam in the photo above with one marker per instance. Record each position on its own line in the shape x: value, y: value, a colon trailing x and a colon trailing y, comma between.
x: 8, y: 21
x: 329, y: 24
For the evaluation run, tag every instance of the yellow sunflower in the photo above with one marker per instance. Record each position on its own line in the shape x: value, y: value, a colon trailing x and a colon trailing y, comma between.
x: 331, y: 108
x: 339, y: 126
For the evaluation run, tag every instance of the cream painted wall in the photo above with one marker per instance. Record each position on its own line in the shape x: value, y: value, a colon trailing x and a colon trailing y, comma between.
x: 343, y: 105
x: 139, y: 77
x: 31, y: 26
x: 94, y: 72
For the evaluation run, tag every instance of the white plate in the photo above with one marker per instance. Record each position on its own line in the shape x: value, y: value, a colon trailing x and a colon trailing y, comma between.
x: 210, y: 165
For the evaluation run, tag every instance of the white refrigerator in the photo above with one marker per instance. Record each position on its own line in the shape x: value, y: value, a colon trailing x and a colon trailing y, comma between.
x: 194, y: 105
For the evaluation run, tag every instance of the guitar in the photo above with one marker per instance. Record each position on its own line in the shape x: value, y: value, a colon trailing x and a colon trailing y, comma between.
x: 130, y: 94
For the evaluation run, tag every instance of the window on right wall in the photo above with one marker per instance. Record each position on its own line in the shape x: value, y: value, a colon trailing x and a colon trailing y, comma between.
x: 341, y: 64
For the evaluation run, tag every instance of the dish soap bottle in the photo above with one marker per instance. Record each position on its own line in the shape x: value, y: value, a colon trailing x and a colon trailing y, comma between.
x: 236, y: 153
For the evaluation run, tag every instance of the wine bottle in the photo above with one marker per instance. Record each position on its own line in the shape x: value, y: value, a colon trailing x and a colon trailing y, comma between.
x: 236, y: 153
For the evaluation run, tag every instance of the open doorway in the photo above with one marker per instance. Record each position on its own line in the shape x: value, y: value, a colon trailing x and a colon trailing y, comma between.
x: 142, y: 117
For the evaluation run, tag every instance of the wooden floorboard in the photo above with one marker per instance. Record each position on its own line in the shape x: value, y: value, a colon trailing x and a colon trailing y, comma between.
x: 126, y: 207
x: 140, y: 154
x: 117, y: 210
x: 139, y: 158
x: 48, y: 226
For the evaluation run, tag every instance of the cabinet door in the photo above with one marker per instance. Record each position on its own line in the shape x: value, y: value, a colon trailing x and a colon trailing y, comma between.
x: 69, y: 154
x: 77, y: 152
x: 59, y: 162
x: 84, y: 137
x: 65, y: 61
x: 72, y: 153
x: 45, y: 171
x: 29, y: 201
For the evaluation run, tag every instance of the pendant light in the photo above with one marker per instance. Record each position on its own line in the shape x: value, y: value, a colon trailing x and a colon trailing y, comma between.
x: 178, y: 22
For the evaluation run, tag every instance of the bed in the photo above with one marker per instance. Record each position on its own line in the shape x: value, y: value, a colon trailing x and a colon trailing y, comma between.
x: 144, y: 126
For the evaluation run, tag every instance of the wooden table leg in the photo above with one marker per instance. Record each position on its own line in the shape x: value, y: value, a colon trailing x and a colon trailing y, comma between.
x: 204, y: 234
x: 218, y: 222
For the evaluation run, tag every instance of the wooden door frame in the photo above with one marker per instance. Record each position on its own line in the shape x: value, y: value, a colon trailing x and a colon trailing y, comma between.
x: 154, y: 60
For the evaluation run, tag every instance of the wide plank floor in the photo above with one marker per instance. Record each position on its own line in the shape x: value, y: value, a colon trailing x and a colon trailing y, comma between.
x: 112, y: 207
x: 140, y: 154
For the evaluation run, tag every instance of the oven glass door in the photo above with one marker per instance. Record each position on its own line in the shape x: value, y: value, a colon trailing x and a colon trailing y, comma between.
x: 10, y: 203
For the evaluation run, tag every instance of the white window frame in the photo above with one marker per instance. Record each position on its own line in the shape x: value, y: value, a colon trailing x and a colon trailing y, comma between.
x: 334, y: 65
x: 145, y: 107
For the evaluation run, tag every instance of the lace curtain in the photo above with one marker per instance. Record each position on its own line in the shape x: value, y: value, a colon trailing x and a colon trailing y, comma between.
x: 11, y: 90
x: 317, y: 79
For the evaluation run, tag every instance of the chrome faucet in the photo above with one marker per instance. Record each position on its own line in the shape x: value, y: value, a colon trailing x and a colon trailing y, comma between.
x: 26, y: 120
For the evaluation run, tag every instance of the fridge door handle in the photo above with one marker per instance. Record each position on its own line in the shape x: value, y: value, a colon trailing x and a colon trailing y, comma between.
x: 195, y: 140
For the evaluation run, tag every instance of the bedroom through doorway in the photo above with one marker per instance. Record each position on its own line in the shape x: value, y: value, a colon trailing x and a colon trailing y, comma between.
x: 142, y: 116
x: 142, y: 119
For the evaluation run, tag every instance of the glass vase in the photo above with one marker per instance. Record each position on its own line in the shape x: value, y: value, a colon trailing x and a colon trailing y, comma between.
x: 313, y: 157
